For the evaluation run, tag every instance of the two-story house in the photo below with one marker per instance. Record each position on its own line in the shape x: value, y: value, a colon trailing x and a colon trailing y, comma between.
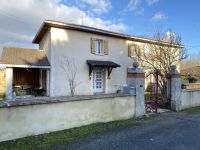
x: 98, y: 58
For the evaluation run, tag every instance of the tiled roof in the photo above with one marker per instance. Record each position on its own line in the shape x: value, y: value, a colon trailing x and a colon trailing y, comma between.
x: 24, y: 56
x: 191, y: 71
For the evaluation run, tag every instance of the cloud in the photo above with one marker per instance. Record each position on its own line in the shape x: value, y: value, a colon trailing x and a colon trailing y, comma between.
x: 138, y: 6
x: 140, y: 11
x: 152, y: 2
x: 21, y: 19
x: 133, y: 5
x: 97, y: 6
x: 159, y: 16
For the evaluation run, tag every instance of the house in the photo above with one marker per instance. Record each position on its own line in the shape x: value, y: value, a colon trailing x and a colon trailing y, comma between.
x: 191, y: 77
x: 192, y: 74
x: 101, y: 59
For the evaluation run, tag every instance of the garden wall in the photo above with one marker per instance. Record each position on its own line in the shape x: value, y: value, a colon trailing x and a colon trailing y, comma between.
x: 190, y: 98
x: 37, y: 116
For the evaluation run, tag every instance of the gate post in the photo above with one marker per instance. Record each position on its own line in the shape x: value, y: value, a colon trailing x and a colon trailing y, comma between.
x: 174, y: 88
x: 136, y: 78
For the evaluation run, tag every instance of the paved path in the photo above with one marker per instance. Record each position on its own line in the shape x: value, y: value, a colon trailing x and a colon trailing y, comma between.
x: 169, y: 131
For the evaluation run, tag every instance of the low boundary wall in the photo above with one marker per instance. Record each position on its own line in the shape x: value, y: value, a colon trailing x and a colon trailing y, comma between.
x: 190, y: 98
x: 32, y: 117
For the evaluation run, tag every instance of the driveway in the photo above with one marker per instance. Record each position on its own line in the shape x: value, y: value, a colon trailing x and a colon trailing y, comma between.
x: 177, y: 131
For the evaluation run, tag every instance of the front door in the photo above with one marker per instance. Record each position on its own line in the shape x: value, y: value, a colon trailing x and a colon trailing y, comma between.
x: 98, y: 78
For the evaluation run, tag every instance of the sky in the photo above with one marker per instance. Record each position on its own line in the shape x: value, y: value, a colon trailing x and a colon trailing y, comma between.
x: 21, y: 19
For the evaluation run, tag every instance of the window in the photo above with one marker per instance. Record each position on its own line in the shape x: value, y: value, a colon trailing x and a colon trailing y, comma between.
x: 99, y: 46
x: 132, y: 50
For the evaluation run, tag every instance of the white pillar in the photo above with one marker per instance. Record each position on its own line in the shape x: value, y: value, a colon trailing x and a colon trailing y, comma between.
x: 9, y: 82
x: 136, y: 78
x: 48, y: 82
x: 175, y: 91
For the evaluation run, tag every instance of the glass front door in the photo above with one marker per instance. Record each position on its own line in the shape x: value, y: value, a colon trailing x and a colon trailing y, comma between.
x: 98, y: 78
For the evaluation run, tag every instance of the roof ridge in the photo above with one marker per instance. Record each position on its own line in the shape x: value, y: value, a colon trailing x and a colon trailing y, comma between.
x: 64, y: 23
x: 58, y: 24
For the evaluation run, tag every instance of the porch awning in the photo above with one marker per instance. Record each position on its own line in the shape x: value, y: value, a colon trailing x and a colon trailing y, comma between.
x: 97, y: 63
x: 103, y: 64
x: 24, y: 58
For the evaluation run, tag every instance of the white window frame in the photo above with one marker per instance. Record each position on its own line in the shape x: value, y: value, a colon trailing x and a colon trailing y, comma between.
x: 99, y: 49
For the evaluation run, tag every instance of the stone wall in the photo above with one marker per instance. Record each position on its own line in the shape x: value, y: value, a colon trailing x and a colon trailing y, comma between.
x: 32, y: 117
x: 190, y: 98
x: 2, y: 83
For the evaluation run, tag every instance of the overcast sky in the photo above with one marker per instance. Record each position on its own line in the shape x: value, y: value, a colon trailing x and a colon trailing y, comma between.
x: 20, y: 19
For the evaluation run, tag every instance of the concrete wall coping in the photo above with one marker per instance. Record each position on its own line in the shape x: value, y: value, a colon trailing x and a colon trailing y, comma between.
x: 135, y: 70
x: 47, y: 100
x: 190, y: 90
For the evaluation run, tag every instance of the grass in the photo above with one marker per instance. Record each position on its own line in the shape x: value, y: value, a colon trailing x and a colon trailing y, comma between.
x: 2, y: 95
x: 48, y: 140
x: 194, y: 110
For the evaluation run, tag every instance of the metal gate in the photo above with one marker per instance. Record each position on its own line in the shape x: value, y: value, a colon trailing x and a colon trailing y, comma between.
x: 157, y: 91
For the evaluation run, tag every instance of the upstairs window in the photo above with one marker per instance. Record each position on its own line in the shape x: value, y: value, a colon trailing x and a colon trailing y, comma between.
x: 99, y: 46
x: 134, y: 51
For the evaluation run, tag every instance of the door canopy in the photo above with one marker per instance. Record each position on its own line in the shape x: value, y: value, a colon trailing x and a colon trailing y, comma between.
x: 101, y: 64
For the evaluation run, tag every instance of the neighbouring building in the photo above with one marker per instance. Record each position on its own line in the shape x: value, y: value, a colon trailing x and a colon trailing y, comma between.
x: 98, y: 58
x: 191, y: 77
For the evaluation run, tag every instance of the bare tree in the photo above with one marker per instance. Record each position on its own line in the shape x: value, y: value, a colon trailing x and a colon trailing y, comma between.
x: 165, y: 52
x: 70, y: 69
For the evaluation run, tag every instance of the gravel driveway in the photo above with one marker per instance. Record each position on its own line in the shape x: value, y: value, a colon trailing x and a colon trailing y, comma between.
x: 168, y: 131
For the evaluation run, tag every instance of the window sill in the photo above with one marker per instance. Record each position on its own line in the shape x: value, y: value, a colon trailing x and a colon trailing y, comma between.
x: 100, y: 54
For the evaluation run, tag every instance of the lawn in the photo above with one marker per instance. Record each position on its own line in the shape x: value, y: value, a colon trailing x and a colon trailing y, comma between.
x: 194, y: 110
x: 1, y: 95
x: 48, y: 140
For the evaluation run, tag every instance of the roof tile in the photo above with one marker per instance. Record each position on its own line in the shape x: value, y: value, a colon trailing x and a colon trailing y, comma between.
x: 24, y: 56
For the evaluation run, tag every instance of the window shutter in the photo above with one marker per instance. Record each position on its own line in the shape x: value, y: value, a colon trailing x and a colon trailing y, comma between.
x: 139, y: 49
x: 93, y: 45
x: 105, y: 46
x: 129, y: 50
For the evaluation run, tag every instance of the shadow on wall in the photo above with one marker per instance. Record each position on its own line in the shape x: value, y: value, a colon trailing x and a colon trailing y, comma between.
x: 40, y: 62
